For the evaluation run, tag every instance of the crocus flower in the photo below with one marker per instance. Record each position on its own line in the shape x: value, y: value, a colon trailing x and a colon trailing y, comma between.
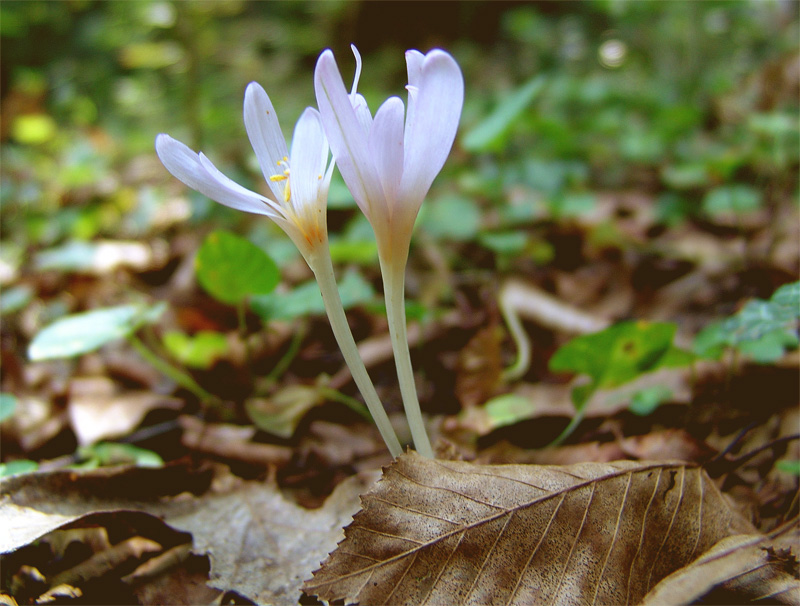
x: 388, y: 163
x: 296, y: 201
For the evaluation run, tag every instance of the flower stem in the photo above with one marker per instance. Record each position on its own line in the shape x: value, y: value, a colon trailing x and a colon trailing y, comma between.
x: 394, y: 293
x: 322, y: 266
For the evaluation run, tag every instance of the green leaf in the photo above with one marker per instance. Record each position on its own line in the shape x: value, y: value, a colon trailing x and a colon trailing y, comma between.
x: 452, y: 218
x: 198, y: 351
x: 646, y: 401
x: 13, y: 468
x: 363, y: 252
x: 108, y: 453
x: 15, y: 298
x: 306, y: 299
x: 736, y: 199
x: 792, y: 467
x: 8, y: 404
x: 685, y: 176
x: 763, y: 330
x: 231, y: 268
x: 572, y: 205
x: 508, y: 409
x: 84, y: 332
x: 490, y: 134
x: 617, y: 354
x: 281, y: 413
x: 770, y: 347
x: 504, y: 242
x: 33, y: 129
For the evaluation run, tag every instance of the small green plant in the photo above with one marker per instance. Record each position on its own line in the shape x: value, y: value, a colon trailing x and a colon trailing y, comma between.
x: 761, y: 330
x: 617, y: 355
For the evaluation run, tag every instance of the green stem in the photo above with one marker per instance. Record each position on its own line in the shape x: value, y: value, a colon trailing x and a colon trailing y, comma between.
x: 351, y: 403
x: 320, y: 263
x: 394, y: 293
x: 177, y: 375
x: 283, y: 364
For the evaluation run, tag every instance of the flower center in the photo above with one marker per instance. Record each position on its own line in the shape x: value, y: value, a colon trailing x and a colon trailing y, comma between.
x: 284, y: 176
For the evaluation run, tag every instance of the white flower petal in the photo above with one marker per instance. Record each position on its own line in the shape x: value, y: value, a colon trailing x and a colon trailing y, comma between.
x: 309, y: 161
x: 346, y: 135
x: 386, y: 146
x: 414, y: 60
x: 197, y: 172
x: 264, y: 132
x: 361, y: 109
x: 431, y: 126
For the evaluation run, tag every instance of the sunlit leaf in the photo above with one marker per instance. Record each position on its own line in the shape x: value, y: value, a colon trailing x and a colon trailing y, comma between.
x: 231, y: 268
x: 151, y: 55
x: 33, y: 129
x: 200, y: 350
x: 508, y: 409
x: 84, y: 332
x: 617, y: 354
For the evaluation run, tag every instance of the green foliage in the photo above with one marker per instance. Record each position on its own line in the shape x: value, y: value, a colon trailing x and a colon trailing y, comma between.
x: 104, y: 454
x: 645, y: 401
x: 15, y: 298
x: 356, y: 244
x: 306, y: 299
x: 491, y: 133
x: 197, y: 351
x: 84, y: 332
x: 617, y: 355
x: 231, y: 268
x: 8, y: 404
x: 792, y: 467
x: 507, y: 409
x: 13, y: 468
x: 734, y: 199
x: 761, y: 330
x: 451, y: 218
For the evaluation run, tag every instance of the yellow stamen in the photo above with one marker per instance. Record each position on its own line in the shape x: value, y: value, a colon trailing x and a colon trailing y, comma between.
x: 287, y: 192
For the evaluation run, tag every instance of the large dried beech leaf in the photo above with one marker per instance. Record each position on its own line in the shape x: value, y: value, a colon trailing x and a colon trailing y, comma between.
x: 439, y: 532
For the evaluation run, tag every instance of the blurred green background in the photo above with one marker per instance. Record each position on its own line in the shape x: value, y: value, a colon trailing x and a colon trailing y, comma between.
x: 692, y: 104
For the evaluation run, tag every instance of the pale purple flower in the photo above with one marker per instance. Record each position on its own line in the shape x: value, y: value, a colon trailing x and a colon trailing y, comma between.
x: 298, y: 181
x: 389, y: 162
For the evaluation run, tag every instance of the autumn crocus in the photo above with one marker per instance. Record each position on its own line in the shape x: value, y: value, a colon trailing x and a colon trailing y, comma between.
x: 388, y: 163
x: 296, y: 201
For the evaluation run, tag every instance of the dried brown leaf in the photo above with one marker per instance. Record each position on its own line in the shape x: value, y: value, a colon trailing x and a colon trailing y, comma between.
x: 742, y: 568
x: 97, y: 411
x: 259, y: 543
x: 447, y: 532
